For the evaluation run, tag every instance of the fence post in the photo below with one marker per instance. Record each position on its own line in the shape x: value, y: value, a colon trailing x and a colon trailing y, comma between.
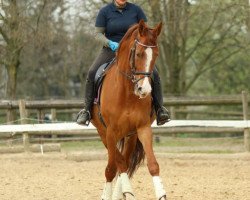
x: 245, y: 117
x: 53, y: 119
x: 9, y: 116
x: 40, y: 116
x: 23, y: 116
x: 53, y: 114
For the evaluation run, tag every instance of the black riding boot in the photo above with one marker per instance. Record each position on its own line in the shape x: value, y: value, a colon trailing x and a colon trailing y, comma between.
x: 162, y: 114
x: 84, y: 116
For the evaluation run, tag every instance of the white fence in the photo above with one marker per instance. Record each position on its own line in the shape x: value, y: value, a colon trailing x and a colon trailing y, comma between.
x: 174, y: 126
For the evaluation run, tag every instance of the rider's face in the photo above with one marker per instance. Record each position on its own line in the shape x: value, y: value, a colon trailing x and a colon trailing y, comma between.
x: 120, y: 2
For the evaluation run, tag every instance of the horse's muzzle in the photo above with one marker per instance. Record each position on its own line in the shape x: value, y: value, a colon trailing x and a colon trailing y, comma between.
x: 142, y: 88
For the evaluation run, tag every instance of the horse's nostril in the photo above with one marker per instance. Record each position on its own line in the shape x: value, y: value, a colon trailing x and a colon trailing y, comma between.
x: 139, y: 89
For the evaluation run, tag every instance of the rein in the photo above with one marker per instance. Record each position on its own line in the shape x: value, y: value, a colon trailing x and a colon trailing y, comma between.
x: 133, y: 74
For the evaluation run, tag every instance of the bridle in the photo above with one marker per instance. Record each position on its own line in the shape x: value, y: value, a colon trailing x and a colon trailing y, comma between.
x: 134, y: 72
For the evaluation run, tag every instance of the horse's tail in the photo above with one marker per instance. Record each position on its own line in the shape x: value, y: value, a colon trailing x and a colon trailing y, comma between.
x: 136, y: 158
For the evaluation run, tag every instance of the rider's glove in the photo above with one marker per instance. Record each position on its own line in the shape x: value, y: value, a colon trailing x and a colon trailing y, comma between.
x: 113, y: 45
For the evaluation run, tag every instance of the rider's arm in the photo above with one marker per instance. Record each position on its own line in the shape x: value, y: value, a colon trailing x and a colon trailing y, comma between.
x: 100, y: 37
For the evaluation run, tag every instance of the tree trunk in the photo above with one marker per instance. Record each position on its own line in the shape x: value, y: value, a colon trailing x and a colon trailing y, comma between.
x: 161, y: 63
x: 11, y: 83
x: 173, y: 42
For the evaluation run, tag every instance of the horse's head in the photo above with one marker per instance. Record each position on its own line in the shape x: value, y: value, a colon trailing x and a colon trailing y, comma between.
x: 143, y: 49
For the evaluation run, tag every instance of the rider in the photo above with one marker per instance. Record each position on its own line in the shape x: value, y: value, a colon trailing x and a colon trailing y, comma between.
x: 112, y: 22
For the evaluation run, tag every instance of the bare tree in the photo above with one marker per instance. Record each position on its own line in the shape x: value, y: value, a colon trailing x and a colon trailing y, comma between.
x: 197, y: 37
x: 14, y: 32
x: 46, y: 46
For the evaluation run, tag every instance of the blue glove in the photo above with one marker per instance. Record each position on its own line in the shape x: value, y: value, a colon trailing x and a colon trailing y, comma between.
x: 113, y: 45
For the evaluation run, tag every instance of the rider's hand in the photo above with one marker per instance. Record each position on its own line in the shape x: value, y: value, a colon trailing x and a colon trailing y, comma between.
x: 113, y: 45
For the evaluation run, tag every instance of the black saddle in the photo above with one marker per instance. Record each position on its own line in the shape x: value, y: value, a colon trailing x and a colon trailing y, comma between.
x: 99, y: 77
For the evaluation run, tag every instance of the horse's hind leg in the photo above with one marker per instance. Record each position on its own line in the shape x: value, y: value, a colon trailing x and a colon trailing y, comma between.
x: 129, y: 148
x: 123, y: 165
x: 117, y: 192
x: 123, y: 189
x: 146, y: 138
x: 115, y: 162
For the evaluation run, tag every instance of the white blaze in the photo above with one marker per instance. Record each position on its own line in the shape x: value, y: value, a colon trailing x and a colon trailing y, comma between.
x: 149, y: 53
x: 146, y: 84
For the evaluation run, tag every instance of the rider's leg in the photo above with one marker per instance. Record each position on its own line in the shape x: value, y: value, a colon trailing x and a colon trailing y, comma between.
x: 105, y: 56
x: 162, y: 114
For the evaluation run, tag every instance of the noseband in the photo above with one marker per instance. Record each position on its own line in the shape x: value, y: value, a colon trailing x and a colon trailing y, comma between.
x: 134, y: 72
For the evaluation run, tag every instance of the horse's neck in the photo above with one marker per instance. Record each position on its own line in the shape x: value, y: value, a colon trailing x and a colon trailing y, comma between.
x: 124, y: 83
x: 123, y: 71
x: 123, y: 61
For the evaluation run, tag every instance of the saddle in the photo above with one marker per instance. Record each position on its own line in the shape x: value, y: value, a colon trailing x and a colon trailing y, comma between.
x: 99, y: 77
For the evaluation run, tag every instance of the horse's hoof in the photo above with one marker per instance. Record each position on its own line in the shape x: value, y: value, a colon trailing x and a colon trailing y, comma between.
x: 129, y: 196
x: 120, y: 198
x: 163, y: 198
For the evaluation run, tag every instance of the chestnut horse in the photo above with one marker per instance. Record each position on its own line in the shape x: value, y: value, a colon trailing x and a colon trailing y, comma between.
x: 127, y: 111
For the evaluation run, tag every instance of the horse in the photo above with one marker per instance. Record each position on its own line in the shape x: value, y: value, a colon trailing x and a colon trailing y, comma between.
x: 127, y: 113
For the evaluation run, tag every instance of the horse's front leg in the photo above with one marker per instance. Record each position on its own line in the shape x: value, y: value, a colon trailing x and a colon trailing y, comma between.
x: 111, y: 168
x: 146, y: 137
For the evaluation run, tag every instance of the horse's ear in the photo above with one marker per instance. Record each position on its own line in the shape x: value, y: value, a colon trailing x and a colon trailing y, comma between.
x: 157, y: 29
x: 142, y: 27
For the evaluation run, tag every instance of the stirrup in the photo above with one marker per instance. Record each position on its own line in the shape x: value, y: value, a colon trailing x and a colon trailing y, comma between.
x: 83, y: 117
x: 165, y: 118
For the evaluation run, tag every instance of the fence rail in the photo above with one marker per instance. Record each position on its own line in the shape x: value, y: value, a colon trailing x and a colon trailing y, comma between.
x: 54, y: 105
x: 168, y: 101
x: 69, y: 129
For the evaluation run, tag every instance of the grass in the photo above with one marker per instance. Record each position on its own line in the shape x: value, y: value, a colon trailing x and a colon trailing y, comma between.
x: 200, y: 145
x: 84, y: 145
x: 210, y: 152
x: 2, y: 120
x: 173, y: 145
x: 177, y: 142
x: 167, y: 144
